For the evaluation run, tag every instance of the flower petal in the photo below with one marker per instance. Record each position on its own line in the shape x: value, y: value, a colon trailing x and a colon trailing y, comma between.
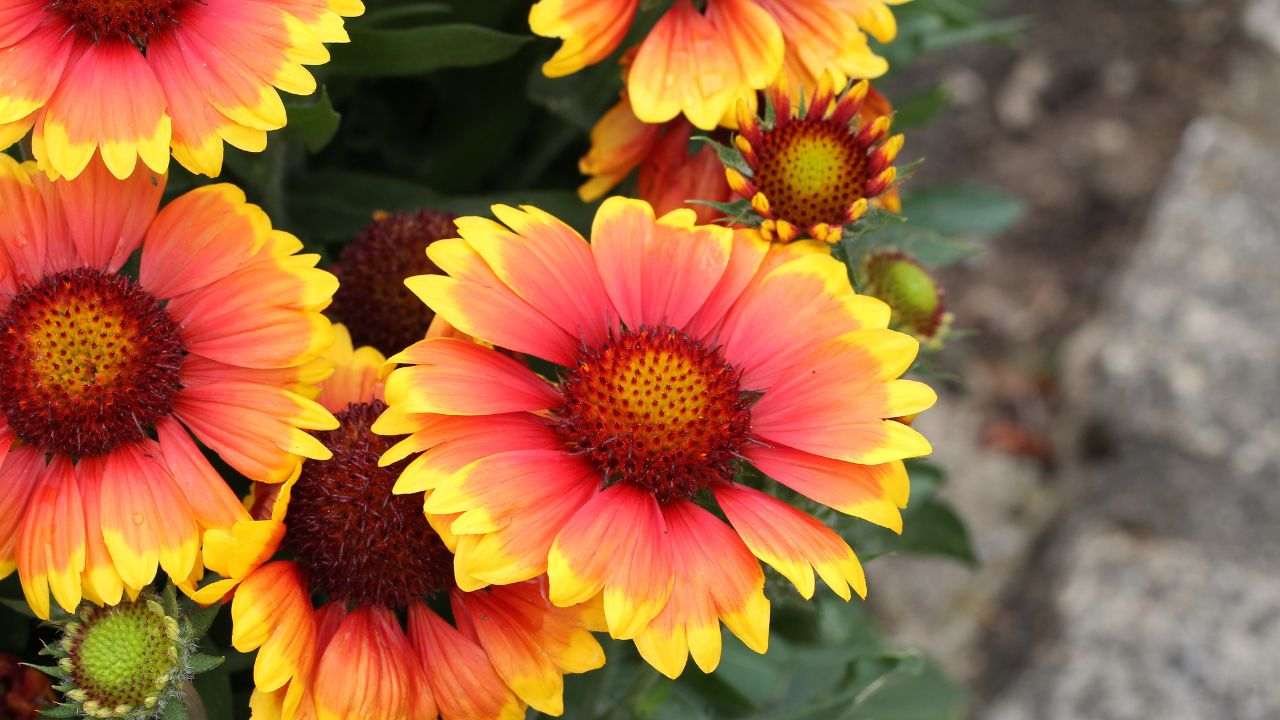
x: 616, y: 543
x: 791, y: 542
x: 456, y: 377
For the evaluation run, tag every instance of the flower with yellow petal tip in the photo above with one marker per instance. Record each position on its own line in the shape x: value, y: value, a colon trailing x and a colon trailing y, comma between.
x: 701, y: 62
x: 669, y: 177
x: 684, y: 352
x: 327, y: 622
x: 695, y: 62
x: 815, y: 169
x: 811, y: 28
x: 129, y: 80
x: 105, y: 377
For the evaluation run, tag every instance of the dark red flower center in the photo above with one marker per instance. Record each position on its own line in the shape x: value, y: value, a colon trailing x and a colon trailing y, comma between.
x: 88, y: 361
x: 811, y: 171
x: 657, y: 409
x: 133, y: 20
x: 359, y: 543
x: 372, y: 300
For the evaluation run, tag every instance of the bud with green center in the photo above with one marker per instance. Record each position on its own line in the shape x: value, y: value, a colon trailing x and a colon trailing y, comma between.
x: 128, y: 661
x: 914, y: 296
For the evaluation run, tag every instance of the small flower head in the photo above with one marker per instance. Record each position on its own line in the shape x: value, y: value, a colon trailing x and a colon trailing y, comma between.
x: 123, y: 661
x: 915, y: 297
x: 813, y: 171
x: 372, y: 300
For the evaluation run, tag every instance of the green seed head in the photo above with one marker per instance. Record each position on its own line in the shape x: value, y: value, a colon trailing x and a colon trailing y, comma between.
x: 913, y: 295
x: 124, y: 661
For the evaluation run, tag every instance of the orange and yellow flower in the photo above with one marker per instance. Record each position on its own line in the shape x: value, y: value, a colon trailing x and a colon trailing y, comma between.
x: 684, y: 352
x: 325, y: 622
x: 670, y: 176
x: 132, y: 79
x: 700, y: 63
x: 814, y: 171
x: 106, y: 376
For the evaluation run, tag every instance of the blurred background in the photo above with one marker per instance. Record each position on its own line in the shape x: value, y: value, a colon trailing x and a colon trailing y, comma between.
x: 1114, y: 445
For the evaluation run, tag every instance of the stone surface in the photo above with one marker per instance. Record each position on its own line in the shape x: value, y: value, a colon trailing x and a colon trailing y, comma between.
x: 1153, y: 628
x: 1185, y: 371
x: 1262, y: 22
x: 1157, y: 595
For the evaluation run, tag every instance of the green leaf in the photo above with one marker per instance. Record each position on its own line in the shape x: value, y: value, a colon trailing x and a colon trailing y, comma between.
x: 175, y: 709
x: 201, y: 663
x: 215, y: 693
x: 67, y: 710
x: 927, y: 245
x: 963, y: 209
x: 201, y: 618
x: 19, y: 607
x: 375, y: 52
x: 934, y: 528
x: 579, y: 99
x: 398, y: 15
x: 919, y: 109
x: 336, y: 205
x: 313, y: 120
x: 52, y: 671
x: 729, y: 156
x: 918, y: 691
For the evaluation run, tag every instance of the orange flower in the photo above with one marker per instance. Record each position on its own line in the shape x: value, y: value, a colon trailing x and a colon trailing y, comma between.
x: 811, y: 174
x: 325, y: 622
x: 105, y: 378
x: 670, y: 175
x: 700, y: 63
x: 684, y: 351
x: 130, y: 79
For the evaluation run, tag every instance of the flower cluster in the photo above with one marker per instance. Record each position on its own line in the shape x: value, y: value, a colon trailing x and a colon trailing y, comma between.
x: 477, y: 440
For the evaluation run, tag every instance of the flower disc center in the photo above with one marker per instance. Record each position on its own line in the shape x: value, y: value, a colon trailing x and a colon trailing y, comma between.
x: 811, y: 171
x: 657, y: 409
x: 358, y: 542
x: 133, y: 20
x: 123, y: 656
x: 88, y: 361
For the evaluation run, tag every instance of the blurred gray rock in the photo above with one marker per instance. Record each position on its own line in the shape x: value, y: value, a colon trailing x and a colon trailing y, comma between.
x: 1154, y: 628
x: 1160, y: 584
x: 1262, y: 22
x: 1187, y: 351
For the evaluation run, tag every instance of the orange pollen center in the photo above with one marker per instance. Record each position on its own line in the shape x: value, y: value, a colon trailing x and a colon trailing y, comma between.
x: 133, y: 20
x: 811, y: 171
x: 358, y: 542
x: 88, y: 361
x: 657, y: 409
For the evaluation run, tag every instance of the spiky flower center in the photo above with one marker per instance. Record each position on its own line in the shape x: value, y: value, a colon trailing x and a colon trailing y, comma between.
x: 88, y: 361
x: 811, y: 171
x: 372, y: 300
x: 121, y: 658
x: 656, y: 409
x: 357, y: 541
x: 136, y: 21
